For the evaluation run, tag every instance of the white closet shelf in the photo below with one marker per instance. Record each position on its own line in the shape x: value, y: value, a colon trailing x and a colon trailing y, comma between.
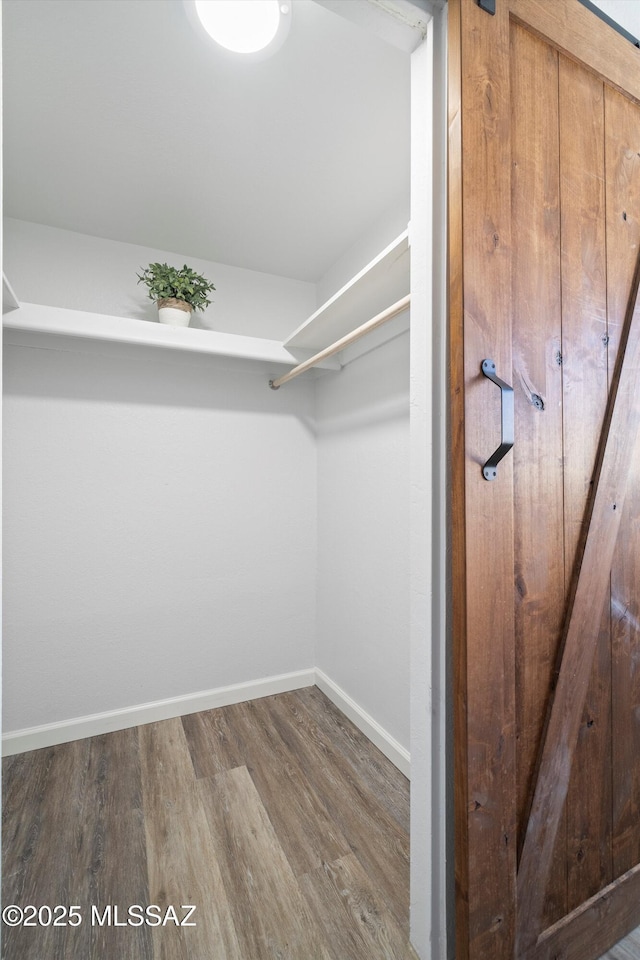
x: 382, y: 282
x: 74, y: 326
x: 9, y: 299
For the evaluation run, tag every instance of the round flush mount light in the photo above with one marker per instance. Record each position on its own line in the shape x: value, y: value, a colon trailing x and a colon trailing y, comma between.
x: 252, y: 27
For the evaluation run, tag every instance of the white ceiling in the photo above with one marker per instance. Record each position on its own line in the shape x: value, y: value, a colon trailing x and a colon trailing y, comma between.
x: 121, y: 122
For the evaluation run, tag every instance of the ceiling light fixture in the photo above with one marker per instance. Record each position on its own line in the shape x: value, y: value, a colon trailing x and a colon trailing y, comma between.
x: 245, y: 26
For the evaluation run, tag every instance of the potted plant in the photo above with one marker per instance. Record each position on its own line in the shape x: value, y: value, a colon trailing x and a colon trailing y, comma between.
x: 176, y: 292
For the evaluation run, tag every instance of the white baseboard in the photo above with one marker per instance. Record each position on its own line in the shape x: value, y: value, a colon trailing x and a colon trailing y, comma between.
x: 393, y: 750
x: 33, y: 738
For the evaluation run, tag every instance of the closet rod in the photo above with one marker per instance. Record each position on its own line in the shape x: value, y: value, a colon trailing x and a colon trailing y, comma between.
x: 360, y: 331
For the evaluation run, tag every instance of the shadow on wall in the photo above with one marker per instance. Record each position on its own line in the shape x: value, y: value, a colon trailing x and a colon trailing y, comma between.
x: 150, y: 378
x: 370, y: 391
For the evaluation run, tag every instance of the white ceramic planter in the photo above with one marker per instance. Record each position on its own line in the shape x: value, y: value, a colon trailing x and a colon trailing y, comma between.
x: 177, y: 313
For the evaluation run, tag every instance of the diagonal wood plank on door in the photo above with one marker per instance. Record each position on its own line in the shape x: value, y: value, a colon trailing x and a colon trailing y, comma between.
x: 591, y: 583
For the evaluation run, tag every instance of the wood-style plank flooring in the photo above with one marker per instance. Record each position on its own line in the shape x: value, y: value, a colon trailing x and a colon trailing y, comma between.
x: 277, y: 818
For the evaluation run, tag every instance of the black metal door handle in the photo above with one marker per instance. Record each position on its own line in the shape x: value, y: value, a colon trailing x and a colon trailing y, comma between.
x: 489, y: 470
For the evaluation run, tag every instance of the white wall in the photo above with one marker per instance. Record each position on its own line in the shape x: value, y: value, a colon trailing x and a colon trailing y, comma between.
x: 624, y: 12
x: 383, y: 230
x: 362, y: 640
x: 160, y: 511
x: 64, y: 269
x: 363, y: 533
x: 173, y: 525
x: 160, y: 524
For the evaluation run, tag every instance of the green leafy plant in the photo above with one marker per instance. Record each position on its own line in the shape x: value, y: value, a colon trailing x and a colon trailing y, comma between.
x: 164, y: 281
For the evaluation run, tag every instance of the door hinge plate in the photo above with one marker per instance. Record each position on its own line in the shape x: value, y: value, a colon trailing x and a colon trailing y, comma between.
x: 488, y: 5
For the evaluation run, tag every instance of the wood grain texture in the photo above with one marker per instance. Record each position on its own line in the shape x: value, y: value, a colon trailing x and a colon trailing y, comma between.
x: 457, y: 479
x: 486, y: 691
x: 116, y: 821
x: 182, y: 857
x: 341, y: 897
x: 270, y: 913
x: 381, y: 845
x: 542, y: 274
x: 586, y: 932
x: 584, y: 368
x: 623, y: 243
x: 595, y: 557
x: 69, y: 811
x: 208, y: 810
x: 214, y: 743
x: 306, y: 832
x: 576, y: 32
x: 537, y: 381
x: 373, y: 769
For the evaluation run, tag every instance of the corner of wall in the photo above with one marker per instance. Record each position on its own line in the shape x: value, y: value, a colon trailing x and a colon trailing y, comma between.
x: 382, y: 231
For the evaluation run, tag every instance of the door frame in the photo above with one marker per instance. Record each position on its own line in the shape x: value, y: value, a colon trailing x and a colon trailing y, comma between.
x: 419, y: 28
x: 432, y: 854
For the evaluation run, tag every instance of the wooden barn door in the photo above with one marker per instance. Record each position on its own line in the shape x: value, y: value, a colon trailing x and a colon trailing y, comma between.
x: 544, y: 115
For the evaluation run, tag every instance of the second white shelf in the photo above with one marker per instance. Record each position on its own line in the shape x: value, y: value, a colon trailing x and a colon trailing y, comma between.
x: 382, y: 282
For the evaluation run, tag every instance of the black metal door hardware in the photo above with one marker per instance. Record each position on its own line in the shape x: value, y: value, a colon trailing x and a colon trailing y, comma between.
x: 489, y: 470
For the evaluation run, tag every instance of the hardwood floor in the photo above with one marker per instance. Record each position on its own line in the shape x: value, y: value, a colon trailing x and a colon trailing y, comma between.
x: 277, y: 818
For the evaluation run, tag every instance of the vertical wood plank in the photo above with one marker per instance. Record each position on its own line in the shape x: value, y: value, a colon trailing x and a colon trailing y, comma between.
x: 484, y: 648
x: 74, y: 835
x: 357, y: 922
x: 575, y: 30
x: 260, y: 881
x: 537, y: 381
x: 37, y: 854
x: 621, y: 431
x: 368, y: 763
x: 110, y: 822
x: 382, y: 847
x: 306, y: 832
x: 623, y: 241
x: 481, y: 285
x: 213, y: 742
x: 181, y: 855
x: 458, y: 464
x: 584, y: 366
x: 25, y: 781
